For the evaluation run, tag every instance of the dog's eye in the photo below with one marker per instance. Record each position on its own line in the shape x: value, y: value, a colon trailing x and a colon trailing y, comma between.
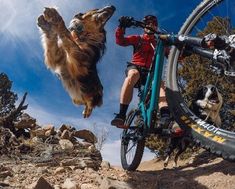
x: 213, y: 89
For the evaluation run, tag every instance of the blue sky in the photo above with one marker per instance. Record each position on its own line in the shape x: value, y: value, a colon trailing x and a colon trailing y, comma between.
x: 22, y: 59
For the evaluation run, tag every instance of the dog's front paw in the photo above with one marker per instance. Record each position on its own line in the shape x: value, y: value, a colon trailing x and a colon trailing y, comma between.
x: 43, y: 24
x: 201, y: 103
x: 52, y: 16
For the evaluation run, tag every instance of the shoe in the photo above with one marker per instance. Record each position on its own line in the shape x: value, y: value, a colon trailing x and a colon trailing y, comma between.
x: 165, y: 120
x: 119, y: 120
x: 165, y: 116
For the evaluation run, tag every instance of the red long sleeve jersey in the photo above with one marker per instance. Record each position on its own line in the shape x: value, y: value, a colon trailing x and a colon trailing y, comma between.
x: 143, y: 46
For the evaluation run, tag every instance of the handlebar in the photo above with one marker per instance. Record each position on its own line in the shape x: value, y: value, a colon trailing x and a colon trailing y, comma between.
x: 195, y: 45
x: 140, y: 24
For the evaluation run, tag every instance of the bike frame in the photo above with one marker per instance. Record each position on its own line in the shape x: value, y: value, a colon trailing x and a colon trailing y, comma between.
x: 154, y: 81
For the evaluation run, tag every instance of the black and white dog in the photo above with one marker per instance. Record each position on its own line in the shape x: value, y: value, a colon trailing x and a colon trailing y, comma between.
x: 206, y: 105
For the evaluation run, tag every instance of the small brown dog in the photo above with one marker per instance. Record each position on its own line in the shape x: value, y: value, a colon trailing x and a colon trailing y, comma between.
x: 73, y: 53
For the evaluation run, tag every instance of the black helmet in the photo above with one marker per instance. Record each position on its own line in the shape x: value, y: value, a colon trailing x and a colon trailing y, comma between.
x: 150, y: 18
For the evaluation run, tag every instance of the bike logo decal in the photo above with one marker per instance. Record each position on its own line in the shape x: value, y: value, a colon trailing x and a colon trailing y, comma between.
x: 208, y: 131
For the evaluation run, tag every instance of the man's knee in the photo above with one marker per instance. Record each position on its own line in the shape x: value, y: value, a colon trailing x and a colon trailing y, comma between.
x: 133, y: 76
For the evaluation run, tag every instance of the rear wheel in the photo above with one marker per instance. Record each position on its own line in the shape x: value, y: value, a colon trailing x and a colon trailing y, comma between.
x: 185, y: 77
x: 132, y: 142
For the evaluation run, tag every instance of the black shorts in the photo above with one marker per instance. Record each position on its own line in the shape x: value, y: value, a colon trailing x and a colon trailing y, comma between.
x: 143, y: 73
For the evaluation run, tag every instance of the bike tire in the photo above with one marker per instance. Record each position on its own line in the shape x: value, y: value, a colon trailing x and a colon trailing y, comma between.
x: 218, y: 141
x: 125, y: 141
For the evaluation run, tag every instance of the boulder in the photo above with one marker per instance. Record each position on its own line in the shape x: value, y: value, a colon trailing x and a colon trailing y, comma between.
x: 25, y: 122
x: 66, y: 144
x: 87, y: 135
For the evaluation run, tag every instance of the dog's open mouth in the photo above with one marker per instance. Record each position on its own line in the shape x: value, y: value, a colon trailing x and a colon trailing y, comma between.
x: 213, y: 98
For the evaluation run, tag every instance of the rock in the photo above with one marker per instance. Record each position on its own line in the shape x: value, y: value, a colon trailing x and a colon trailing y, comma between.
x: 87, y: 135
x: 88, y: 186
x: 41, y: 184
x: 25, y: 122
x: 86, y: 144
x: 24, y: 148
x: 66, y: 144
x: 49, y: 130
x: 4, y: 174
x: 114, y: 184
x: 36, y: 140
x: 49, y: 127
x: 92, y: 148
x: 64, y: 127
x: 105, y: 165
x: 69, y: 184
x: 65, y: 135
x: 38, y: 132
x: 59, y: 170
x: 79, y: 163
x: 42, y: 170
x: 57, y: 187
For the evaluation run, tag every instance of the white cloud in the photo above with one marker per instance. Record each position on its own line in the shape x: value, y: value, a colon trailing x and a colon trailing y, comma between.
x: 18, y: 18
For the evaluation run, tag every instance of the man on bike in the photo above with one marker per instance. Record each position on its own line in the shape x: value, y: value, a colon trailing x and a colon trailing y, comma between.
x: 136, y: 72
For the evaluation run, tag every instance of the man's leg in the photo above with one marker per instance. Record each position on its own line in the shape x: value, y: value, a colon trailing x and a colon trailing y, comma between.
x: 163, y: 106
x: 126, y: 95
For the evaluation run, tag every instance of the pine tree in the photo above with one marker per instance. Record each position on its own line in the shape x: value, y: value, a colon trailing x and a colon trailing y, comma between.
x: 7, y: 97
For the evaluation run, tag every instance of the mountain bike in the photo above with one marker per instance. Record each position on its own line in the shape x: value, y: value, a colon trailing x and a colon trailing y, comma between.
x: 143, y: 120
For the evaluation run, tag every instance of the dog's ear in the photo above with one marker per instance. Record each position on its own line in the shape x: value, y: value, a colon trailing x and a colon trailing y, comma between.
x: 199, y: 94
x: 79, y: 16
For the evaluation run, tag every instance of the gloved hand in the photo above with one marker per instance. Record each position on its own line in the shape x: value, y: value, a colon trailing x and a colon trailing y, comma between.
x: 125, y: 21
x: 214, y: 41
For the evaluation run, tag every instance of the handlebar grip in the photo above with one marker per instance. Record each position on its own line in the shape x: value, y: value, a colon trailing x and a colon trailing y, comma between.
x: 138, y: 24
x: 143, y: 25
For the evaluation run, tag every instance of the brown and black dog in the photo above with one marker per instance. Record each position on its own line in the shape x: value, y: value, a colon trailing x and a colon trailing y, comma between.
x: 73, y: 53
x: 177, y: 141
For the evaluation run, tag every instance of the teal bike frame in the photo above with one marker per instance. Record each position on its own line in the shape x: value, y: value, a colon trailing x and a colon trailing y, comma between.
x: 154, y: 81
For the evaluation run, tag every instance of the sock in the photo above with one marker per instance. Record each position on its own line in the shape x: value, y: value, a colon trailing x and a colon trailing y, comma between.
x: 123, y: 109
x: 164, y: 111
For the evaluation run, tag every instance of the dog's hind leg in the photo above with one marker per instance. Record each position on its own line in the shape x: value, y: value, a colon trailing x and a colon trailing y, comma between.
x: 166, y: 161
x: 182, y: 146
x: 87, y: 111
x: 169, y: 151
x: 176, y: 158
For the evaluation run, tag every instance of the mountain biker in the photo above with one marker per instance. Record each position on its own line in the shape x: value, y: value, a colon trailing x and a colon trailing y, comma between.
x: 136, y: 71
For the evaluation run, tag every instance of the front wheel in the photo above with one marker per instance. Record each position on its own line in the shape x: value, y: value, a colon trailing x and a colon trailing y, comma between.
x: 132, y: 142
x: 185, y: 77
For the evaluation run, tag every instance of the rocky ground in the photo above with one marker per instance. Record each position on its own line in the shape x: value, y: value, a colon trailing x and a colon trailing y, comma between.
x: 68, y: 159
x: 206, y: 172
